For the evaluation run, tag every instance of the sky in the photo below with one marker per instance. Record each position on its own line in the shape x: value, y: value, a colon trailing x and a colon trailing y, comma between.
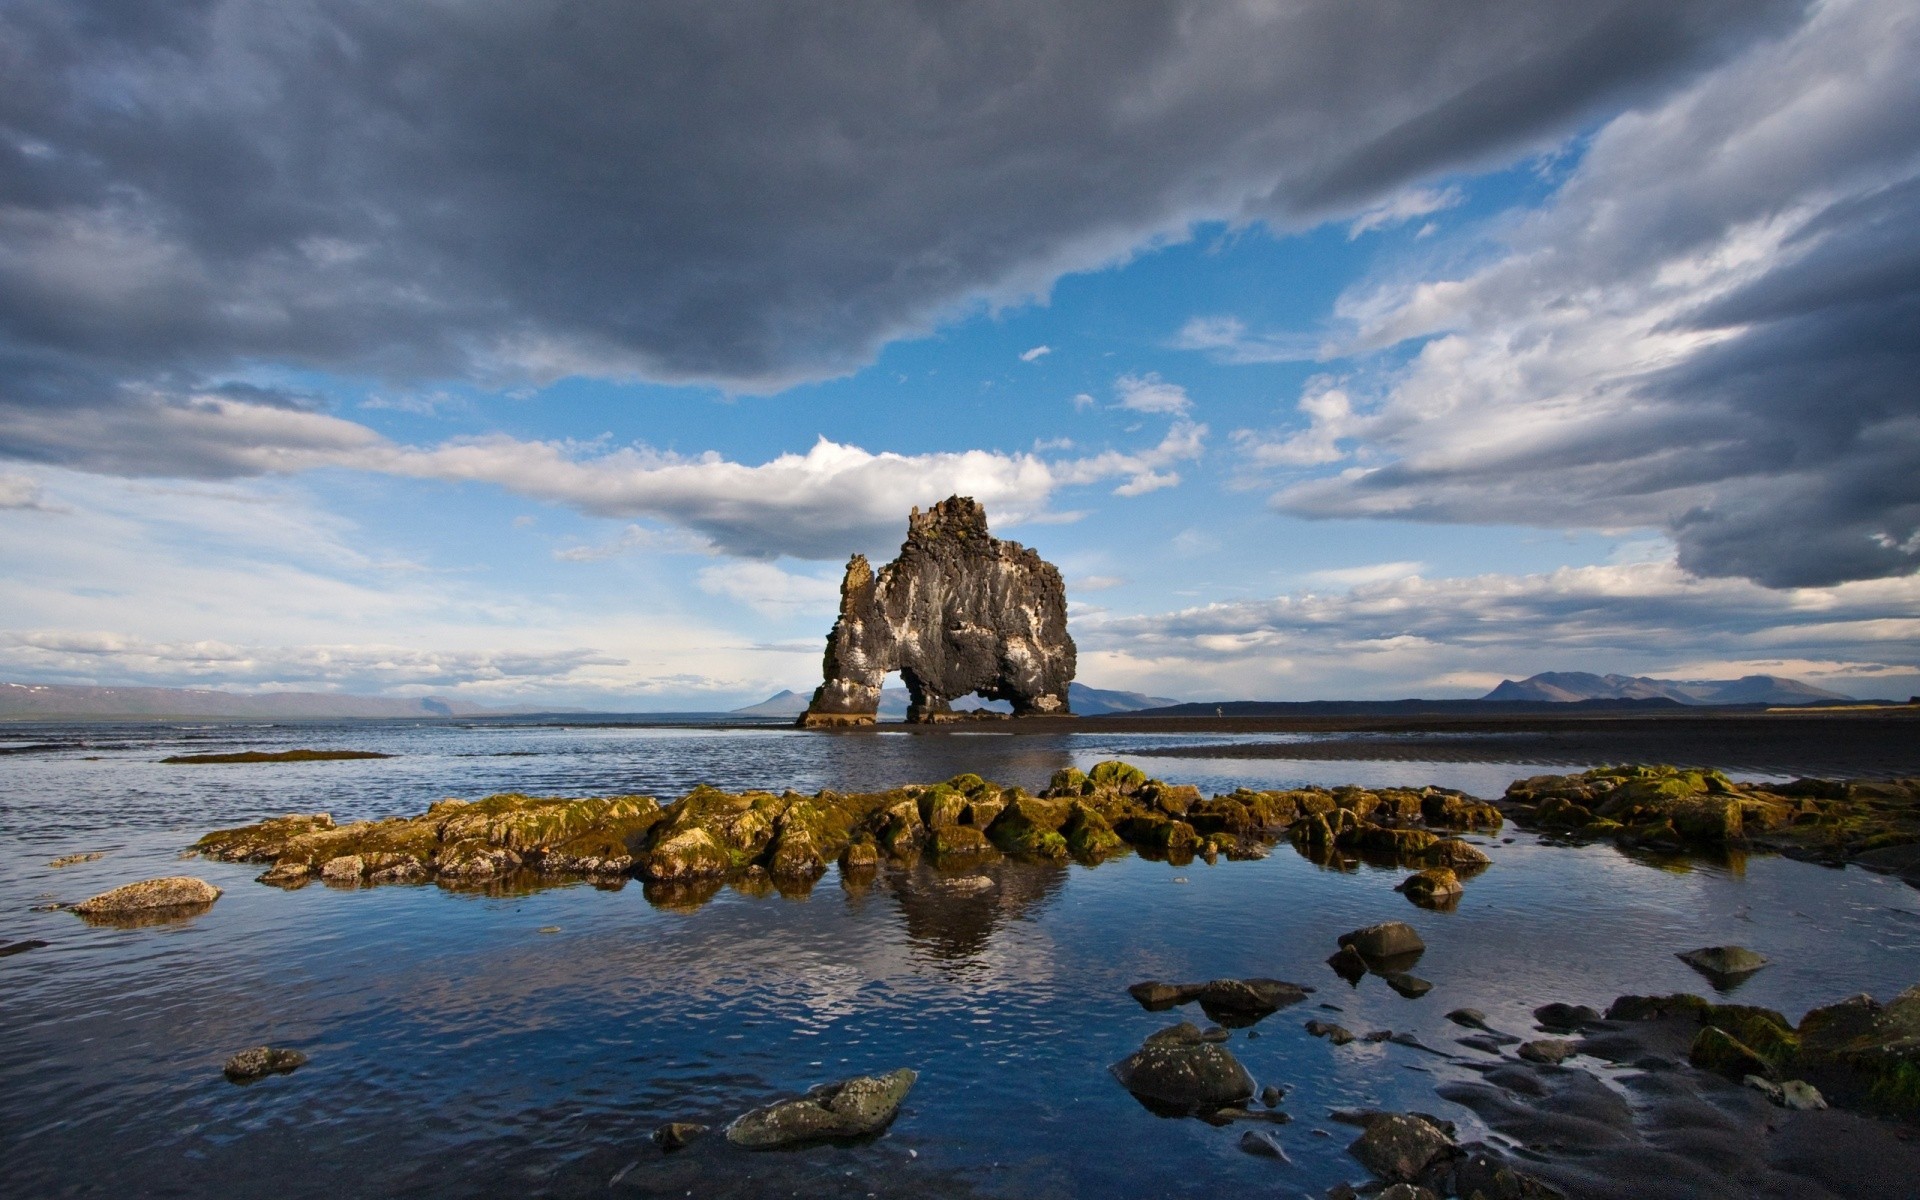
x: 559, y: 352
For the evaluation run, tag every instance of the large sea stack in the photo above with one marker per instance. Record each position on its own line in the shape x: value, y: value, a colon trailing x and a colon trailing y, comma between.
x: 958, y: 611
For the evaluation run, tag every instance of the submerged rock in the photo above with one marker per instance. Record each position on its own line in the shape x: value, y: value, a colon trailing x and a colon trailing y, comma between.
x: 1725, y: 966
x: 1179, y: 1070
x: 1261, y: 1145
x: 261, y: 1061
x: 1410, y: 986
x: 855, y: 1108
x: 676, y: 1134
x: 1339, y: 1035
x: 175, y: 892
x: 958, y: 612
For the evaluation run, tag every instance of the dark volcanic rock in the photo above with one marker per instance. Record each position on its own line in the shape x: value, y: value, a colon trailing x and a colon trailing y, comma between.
x: 1155, y: 996
x: 1398, y: 1147
x: 1179, y: 1070
x: 858, y: 1107
x: 959, y: 611
x: 261, y: 1061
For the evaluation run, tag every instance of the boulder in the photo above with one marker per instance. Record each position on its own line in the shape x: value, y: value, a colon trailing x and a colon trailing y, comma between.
x: 1389, y: 940
x: 1552, y: 1051
x: 1399, y: 1147
x: 180, y: 892
x: 1348, y: 964
x: 1714, y: 1049
x: 1435, y: 887
x: 1725, y: 966
x: 1241, y: 1002
x: 1564, y: 1018
x: 1261, y: 1145
x: 1411, y: 986
x: 1179, y: 1070
x: 854, y: 1108
x: 1155, y: 996
x: 261, y: 1061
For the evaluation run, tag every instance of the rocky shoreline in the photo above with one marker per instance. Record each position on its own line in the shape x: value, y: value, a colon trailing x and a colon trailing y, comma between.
x: 709, y: 835
x: 789, y: 839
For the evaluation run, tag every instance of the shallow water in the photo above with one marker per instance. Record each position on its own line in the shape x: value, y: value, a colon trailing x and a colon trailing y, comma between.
x: 459, y: 1050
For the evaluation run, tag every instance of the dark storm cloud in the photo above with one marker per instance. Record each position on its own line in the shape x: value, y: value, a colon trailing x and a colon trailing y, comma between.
x: 1713, y: 330
x: 743, y: 193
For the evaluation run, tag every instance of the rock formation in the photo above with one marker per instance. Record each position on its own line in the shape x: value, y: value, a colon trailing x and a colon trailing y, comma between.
x: 958, y: 611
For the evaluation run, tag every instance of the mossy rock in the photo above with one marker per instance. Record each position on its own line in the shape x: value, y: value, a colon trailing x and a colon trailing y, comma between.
x: 1172, y: 799
x: 966, y: 842
x: 1764, y: 1031
x: 1068, y: 781
x: 1024, y: 824
x: 687, y: 855
x: 262, y: 842
x: 1117, y: 776
x: 1379, y: 839
x: 1088, y: 835
x: 1221, y: 814
x: 941, y: 806
x: 1716, y: 1050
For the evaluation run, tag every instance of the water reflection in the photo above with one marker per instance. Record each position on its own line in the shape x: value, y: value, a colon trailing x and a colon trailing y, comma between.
x: 952, y: 916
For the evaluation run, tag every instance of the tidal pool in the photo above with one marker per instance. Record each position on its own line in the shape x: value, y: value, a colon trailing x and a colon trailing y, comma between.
x: 486, y: 1042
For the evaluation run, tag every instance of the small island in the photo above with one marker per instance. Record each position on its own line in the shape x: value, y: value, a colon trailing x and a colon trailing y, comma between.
x: 271, y: 756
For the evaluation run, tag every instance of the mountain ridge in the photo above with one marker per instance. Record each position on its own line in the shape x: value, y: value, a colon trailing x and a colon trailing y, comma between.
x: 1568, y: 686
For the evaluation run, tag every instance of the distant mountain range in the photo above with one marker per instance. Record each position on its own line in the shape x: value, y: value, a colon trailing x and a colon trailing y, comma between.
x: 54, y: 701
x: 1568, y: 686
x: 1085, y: 701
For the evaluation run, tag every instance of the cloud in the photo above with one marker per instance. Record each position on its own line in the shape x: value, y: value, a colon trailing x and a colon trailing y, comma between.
x: 1397, y: 633
x: 1330, y: 420
x: 1151, y: 394
x: 86, y: 655
x: 23, y: 492
x: 1226, y: 339
x: 1035, y: 354
x: 1404, y: 207
x: 771, y: 591
x: 1712, y: 330
x: 1348, y: 577
x: 819, y: 504
x: 632, y: 539
x: 747, y: 195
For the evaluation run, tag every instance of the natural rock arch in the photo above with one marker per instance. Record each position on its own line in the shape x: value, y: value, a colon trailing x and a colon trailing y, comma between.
x: 958, y: 611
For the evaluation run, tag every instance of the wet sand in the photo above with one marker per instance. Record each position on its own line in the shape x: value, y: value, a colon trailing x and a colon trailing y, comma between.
x: 1879, y: 743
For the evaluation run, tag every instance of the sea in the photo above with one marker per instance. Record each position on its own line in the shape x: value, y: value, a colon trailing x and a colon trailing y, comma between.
x: 526, y: 1041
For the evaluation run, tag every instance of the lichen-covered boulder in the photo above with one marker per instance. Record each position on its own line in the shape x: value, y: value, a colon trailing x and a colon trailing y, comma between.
x: 1435, y: 887
x: 1179, y: 1069
x: 260, y: 1062
x: 181, y: 892
x: 958, y: 612
x: 855, y: 1108
x: 1399, y: 1147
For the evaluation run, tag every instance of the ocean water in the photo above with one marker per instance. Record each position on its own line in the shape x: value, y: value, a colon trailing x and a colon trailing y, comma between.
x: 480, y: 1043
